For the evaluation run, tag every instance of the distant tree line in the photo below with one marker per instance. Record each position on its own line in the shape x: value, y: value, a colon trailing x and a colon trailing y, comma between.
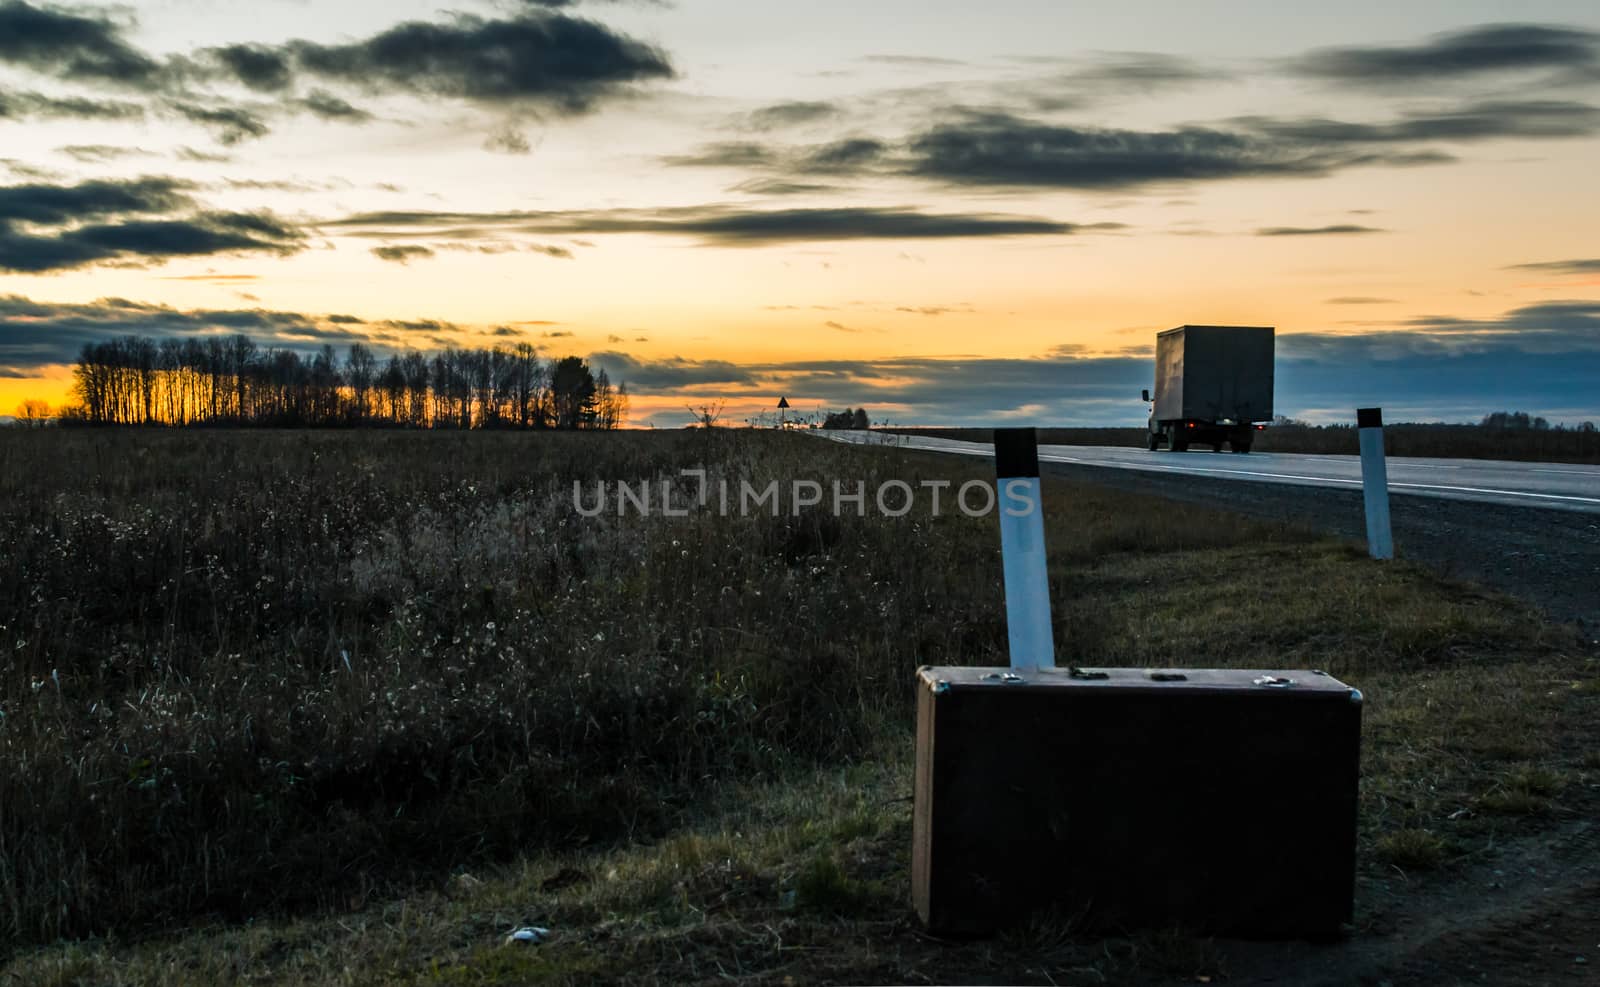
x: 848, y: 418
x: 136, y: 380
x: 1514, y: 435
x: 1521, y: 419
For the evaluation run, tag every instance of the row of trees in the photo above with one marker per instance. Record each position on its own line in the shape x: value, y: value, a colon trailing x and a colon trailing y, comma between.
x: 136, y: 380
x: 848, y: 418
x: 1522, y: 420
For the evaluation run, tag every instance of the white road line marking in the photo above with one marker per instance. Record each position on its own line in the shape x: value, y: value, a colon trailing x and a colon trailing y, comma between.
x: 1507, y: 493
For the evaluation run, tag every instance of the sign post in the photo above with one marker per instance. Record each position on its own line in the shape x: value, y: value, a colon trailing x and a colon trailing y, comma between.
x: 1027, y: 576
x: 1375, y: 483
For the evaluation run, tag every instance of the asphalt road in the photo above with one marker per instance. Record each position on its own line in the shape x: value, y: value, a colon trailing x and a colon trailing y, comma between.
x: 1551, y: 485
x: 1528, y: 529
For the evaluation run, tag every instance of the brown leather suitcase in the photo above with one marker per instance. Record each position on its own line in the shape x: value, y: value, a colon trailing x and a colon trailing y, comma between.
x: 1217, y: 800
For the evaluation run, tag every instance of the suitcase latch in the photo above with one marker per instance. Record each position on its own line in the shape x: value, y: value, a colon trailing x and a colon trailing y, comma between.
x: 1009, y: 678
x: 1274, y: 682
x: 1084, y: 673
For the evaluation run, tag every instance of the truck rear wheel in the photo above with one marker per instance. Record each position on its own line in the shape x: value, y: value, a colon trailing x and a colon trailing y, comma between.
x: 1241, y: 447
x: 1176, y: 444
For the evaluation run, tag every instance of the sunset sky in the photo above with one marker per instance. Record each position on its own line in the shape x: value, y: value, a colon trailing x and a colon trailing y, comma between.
x: 950, y: 213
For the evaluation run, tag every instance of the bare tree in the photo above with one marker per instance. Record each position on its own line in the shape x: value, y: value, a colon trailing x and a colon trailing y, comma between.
x: 707, y: 415
x: 32, y: 413
x: 361, y: 373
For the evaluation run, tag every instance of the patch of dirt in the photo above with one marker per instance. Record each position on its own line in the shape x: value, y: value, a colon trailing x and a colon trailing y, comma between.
x: 1530, y: 916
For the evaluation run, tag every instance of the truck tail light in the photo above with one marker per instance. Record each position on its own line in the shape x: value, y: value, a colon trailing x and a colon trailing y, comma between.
x: 1261, y: 428
x: 1191, y: 424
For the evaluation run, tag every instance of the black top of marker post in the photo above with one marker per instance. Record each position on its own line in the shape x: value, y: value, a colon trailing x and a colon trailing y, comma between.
x: 1369, y: 418
x: 1016, y: 452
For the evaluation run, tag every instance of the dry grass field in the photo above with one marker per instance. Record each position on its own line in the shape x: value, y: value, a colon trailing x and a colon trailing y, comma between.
x: 347, y: 707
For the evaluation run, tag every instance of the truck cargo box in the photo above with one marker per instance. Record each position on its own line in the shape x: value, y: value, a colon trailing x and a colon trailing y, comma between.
x: 1223, y: 801
x: 1214, y: 374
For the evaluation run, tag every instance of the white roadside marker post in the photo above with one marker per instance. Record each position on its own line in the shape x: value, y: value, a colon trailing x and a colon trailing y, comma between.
x: 1375, y: 482
x: 1016, y: 468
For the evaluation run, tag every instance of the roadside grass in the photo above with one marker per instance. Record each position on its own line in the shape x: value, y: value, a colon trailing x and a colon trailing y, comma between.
x: 782, y: 854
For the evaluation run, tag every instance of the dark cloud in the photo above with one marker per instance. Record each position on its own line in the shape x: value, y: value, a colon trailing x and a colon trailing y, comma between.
x: 35, y: 334
x: 717, y: 225
x: 256, y: 66
x: 61, y: 204
x: 1338, y: 229
x: 538, y: 59
x: 1140, y: 71
x: 1455, y: 55
x: 59, y: 227
x: 790, y: 114
x: 101, y: 153
x: 281, y: 185
x: 1476, y: 121
x: 345, y: 320
x: 327, y: 106
x: 508, y: 140
x: 1589, y: 265
x: 1098, y: 79
x: 848, y: 155
x: 420, y: 325
x: 725, y: 154
x: 145, y: 241
x: 561, y: 62
x: 778, y: 186
x: 672, y: 373
x: 1074, y: 82
x: 1560, y: 325
x: 230, y: 124
x: 503, y: 247
x: 32, y: 105
x: 402, y: 254
x: 204, y: 157
x: 490, y: 247
x: 920, y: 61
x: 1004, y: 150
x: 72, y: 45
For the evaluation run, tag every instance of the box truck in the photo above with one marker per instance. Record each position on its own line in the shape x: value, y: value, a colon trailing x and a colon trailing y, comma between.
x: 1213, y: 387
